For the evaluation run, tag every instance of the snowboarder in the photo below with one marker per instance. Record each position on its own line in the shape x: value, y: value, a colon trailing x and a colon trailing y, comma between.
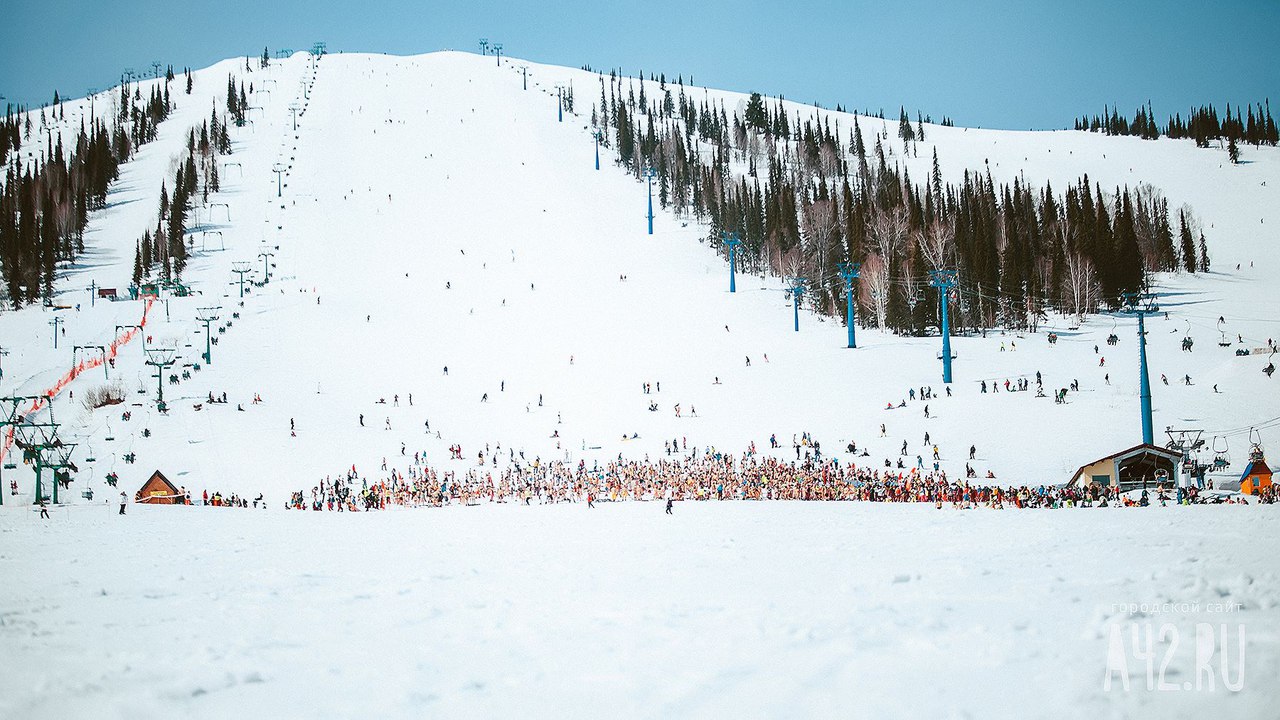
x: 361, y: 419
x: 123, y: 499
x: 44, y: 509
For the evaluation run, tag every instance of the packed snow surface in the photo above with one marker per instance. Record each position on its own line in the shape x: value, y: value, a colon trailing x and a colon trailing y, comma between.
x: 720, y: 610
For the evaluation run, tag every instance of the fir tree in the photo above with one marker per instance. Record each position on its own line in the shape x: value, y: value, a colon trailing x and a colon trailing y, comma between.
x: 137, y: 264
x: 1188, y: 243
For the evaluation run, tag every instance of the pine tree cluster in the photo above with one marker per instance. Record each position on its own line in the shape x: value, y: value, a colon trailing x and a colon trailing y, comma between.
x: 1255, y: 127
x: 45, y: 202
x: 197, y: 176
x: 237, y: 101
x: 809, y: 200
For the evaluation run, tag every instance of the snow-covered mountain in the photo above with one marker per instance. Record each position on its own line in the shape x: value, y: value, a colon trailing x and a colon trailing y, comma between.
x: 442, y: 250
x: 432, y: 213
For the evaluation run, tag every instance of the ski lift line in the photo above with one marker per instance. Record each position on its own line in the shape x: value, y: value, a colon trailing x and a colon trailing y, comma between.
x: 1245, y: 428
x: 1249, y: 338
x: 81, y: 367
x: 1229, y: 319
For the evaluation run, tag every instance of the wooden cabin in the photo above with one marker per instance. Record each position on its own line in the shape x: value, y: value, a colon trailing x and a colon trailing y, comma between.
x: 1129, y: 469
x: 159, y: 491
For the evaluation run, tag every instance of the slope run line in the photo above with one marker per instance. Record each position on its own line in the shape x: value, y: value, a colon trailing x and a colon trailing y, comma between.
x: 83, y: 366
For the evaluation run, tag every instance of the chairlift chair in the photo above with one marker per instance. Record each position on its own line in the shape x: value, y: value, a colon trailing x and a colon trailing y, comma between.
x: 1221, y: 456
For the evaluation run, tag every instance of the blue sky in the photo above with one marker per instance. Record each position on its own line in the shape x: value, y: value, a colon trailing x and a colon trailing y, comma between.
x: 983, y: 63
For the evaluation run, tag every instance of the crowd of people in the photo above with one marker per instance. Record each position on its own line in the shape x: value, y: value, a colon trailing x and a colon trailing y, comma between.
x: 704, y: 476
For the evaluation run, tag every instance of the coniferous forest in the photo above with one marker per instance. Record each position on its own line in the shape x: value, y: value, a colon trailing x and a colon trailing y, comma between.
x: 46, y: 199
x: 1254, y: 126
x: 805, y: 194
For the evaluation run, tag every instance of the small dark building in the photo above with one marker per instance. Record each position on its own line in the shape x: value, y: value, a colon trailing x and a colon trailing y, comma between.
x: 159, y: 491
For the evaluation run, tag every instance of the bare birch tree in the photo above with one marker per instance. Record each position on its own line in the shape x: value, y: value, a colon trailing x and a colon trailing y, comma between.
x: 936, y: 243
x: 874, y: 287
x: 888, y: 230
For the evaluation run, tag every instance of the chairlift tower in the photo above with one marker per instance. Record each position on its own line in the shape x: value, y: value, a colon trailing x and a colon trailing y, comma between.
x: 11, y: 417
x: 279, y: 169
x: 266, y: 270
x: 797, y: 291
x: 849, y: 272
x: 1132, y: 300
x: 944, y: 280
x: 207, y: 315
x: 161, y: 358
x: 649, y: 175
x: 732, y: 241
x: 54, y: 322
x: 598, y: 136
x: 497, y: 51
x: 241, y: 267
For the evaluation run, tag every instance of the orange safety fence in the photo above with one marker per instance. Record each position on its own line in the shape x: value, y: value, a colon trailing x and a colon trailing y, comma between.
x: 121, y: 340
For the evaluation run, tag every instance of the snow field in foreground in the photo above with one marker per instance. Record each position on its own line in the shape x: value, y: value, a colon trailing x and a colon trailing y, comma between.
x: 723, y: 609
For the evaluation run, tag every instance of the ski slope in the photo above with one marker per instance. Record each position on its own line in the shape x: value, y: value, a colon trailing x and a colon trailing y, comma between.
x: 436, y: 215
x: 431, y: 213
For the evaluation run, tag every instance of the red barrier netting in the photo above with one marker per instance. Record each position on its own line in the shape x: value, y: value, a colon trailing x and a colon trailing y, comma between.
x: 83, y: 366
